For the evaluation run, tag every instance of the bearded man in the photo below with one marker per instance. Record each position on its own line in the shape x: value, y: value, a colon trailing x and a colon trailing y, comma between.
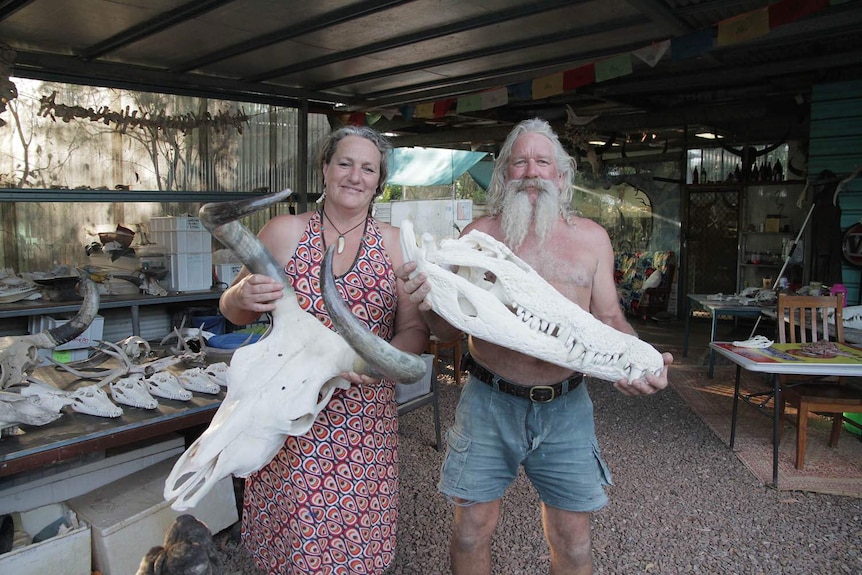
x: 516, y: 410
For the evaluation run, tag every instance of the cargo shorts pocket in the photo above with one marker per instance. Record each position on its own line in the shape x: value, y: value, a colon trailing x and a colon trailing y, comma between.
x: 604, y: 470
x: 458, y: 446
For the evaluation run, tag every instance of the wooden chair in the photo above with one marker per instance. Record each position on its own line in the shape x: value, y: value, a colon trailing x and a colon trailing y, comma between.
x: 806, y: 320
x: 435, y: 346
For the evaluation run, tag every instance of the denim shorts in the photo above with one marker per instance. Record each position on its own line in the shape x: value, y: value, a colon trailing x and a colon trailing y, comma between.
x: 495, y: 433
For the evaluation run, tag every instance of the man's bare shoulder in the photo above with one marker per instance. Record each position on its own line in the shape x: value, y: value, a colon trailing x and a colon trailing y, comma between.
x: 487, y: 224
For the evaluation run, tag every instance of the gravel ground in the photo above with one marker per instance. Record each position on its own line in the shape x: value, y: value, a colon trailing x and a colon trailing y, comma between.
x: 681, y: 503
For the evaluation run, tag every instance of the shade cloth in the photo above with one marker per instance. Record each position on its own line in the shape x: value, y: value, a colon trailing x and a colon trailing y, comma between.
x: 430, y: 166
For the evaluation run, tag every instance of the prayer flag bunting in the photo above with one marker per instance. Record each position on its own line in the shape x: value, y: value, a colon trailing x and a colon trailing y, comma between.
x: 744, y: 27
x: 442, y: 106
x: 407, y: 112
x: 613, y: 67
x: 653, y: 53
x: 786, y: 11
x: 580, y: 76
x: 425, y: 110
x: 469, y: 103
x: 495, y: 98
x: 547, y: 86
x: 692, y: 45
x: 521, y: 90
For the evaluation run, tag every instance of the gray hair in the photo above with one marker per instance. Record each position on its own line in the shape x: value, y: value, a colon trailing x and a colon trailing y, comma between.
x: 565, y: 165
x: 330, y: 143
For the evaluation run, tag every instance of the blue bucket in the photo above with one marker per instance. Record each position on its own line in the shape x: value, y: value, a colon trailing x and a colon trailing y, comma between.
x: 232, y: 340
x: 211, y: 323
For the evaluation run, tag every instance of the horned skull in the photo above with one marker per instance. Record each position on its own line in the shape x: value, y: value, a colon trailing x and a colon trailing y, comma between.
x: 497, y: 297
x: 19, y: 354
x: 278, y: 385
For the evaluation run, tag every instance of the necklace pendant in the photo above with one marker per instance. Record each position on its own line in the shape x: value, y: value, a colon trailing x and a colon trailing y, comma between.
x: 340, y: 244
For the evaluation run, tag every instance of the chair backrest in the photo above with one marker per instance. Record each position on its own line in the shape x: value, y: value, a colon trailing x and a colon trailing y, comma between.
x: 810, y: 314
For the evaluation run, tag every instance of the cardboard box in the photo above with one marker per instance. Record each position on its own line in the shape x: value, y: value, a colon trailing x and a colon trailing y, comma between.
x: 68, y: 553
x: 39, y: 323
x: 62, y: 356
x: 404, y: 392
x: 130, y: 515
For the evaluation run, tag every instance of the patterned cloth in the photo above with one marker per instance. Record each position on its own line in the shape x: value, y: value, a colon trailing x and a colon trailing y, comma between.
x: 328, y: 501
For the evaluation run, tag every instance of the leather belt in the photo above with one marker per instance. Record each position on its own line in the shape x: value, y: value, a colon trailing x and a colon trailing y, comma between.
x: 535, y: 393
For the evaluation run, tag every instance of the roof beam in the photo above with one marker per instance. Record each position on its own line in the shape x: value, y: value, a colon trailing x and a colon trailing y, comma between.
x: 152, y: 26
x: 407, y: 39
x: 540, y: 40
x: 327, y: 20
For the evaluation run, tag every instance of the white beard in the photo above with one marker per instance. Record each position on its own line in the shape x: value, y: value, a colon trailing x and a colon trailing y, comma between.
x: 519, y: 216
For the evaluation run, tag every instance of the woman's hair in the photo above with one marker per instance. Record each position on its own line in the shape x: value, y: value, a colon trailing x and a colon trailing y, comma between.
x: 330, y: 143
x: 565, y: 165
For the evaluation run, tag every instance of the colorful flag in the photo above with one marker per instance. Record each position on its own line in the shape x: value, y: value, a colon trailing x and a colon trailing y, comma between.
x: 613, y: 67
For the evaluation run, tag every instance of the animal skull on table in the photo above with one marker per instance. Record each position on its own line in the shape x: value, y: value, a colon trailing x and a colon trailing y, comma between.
x: 277, y: 385
x: 19, y: 354
x: 497, y: 297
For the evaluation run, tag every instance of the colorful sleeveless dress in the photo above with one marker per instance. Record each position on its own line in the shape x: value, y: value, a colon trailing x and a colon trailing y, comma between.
x: 328, y: 502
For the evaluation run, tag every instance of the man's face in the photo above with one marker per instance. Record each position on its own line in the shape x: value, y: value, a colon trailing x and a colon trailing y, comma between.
x: 533, y: 157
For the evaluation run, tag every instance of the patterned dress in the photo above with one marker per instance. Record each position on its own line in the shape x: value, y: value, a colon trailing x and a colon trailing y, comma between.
x: 328, y: 501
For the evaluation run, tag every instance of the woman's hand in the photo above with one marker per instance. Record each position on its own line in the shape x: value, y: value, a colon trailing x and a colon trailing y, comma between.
x: 257, y: 293
x: 358, y: 379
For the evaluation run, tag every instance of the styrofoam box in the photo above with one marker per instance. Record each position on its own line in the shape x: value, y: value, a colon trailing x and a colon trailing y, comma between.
x: 189, y: 272
x: 227, y: 272
x: 176, y: 223
x: 184, y: 242
x: 129, y: 516
x: 404, y: 392
x: 68, y: 553
x: 39, y: 323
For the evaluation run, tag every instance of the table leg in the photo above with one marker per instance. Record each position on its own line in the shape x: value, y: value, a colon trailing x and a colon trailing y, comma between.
x: 136, y: 320
x: 712, y: 332
x: 776, y: 422
x: 687, y: 327
x: 735, y: 407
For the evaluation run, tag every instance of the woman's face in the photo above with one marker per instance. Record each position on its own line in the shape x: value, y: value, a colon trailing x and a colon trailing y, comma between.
x: 352, y: 174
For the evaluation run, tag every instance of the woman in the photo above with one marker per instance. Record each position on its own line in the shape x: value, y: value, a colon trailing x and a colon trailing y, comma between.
x: 328, y: 501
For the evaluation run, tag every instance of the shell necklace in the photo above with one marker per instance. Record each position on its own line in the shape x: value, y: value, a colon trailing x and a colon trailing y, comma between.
x: 340, y: 242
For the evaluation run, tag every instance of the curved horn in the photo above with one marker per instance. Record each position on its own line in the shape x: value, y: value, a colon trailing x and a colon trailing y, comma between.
x: 380, y: 357
x: 77, y: 325
x: 221, y: 219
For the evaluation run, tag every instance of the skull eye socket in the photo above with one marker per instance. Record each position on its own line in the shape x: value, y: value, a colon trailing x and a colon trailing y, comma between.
x: 490, y: 277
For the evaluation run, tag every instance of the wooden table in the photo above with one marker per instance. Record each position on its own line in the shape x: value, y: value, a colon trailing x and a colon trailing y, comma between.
x: 716, y: 306
x: 784, y: 359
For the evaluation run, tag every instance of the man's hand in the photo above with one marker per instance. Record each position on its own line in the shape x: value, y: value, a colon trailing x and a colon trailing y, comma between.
x: 650, y: 384
x: 417, y: 287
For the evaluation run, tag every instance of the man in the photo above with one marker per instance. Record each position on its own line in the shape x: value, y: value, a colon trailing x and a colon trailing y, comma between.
x: 499, y: 428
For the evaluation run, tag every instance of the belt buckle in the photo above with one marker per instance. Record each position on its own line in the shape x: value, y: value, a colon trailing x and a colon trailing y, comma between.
x: 547, y: 394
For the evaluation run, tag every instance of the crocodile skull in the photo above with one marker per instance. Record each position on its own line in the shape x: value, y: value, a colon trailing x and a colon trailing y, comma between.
x: 497, y: 297
x: 19, y: 354
x: 277, y: 385
x: 132, y: 391
x: 165, y: 384
x: 196, y: 379
x: 92, y: 400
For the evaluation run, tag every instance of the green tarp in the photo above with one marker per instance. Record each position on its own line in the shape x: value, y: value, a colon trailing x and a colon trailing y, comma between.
x: 430, y: 166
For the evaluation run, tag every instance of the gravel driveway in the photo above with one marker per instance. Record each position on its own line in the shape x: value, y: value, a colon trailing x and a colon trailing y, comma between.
x: 681, y: 503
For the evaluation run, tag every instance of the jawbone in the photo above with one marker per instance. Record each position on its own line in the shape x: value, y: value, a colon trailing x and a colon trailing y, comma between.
x: 497, y: 297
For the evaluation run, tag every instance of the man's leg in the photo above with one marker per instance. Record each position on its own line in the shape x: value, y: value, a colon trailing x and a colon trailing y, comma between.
x: 568, y: 534
x: 470, y: 548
